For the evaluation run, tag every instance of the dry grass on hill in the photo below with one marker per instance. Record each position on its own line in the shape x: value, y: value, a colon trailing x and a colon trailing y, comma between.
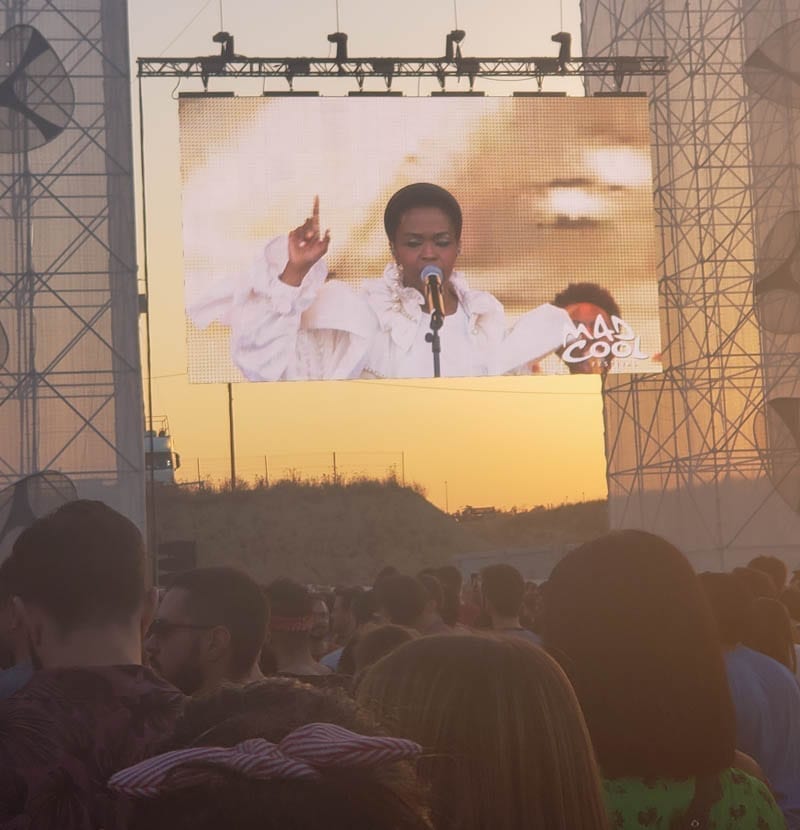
x: 329, y: 533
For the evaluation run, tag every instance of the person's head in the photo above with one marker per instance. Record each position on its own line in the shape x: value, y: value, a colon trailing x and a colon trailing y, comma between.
x: 790, y: 597
x: 340, y: 791
x: 79, y: 575
x: 774, y: 568
x: 434, y: 594
x: 290, y: 617
x: 506, y: 743
x: 13, y: 635
x: 588, y: 303
x: 402, y: 600
x: 384, y: 573
x: 730, y: 601
x: 343, y: 619
x: 320, y: 618
x: 423, y: 223
x: 503, y: 590
x: 450, y: 578
x: 770, y: 631
x: 758, y: 583
x: 377, y: 643
x: 209, y: 628
x: 628, y: 605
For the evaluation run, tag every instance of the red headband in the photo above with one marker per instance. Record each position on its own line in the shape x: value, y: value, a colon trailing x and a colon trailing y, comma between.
x: 300, y: 755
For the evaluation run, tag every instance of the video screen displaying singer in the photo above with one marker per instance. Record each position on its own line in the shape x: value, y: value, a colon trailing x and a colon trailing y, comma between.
x: 324, y: 236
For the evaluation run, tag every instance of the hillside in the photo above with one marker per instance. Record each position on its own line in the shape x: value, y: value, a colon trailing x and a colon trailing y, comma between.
x: 345, y: 533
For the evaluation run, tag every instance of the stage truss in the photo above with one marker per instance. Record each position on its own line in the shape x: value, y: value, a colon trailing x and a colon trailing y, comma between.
x: 70, y: 390
x: 688, y: 454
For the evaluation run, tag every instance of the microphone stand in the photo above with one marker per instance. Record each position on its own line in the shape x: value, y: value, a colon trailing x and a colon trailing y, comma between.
x: 437, y: 321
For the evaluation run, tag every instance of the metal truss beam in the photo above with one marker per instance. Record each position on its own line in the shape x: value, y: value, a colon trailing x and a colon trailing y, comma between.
x: 616, y: 68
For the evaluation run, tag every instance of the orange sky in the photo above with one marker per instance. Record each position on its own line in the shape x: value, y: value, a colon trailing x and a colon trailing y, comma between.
x: 502, y: 441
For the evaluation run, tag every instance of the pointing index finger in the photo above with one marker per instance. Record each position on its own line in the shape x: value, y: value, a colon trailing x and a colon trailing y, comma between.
x: 315, y: 216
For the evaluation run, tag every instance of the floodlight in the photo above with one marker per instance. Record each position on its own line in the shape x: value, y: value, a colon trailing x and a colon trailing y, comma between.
x: 340, y: 39
x: 565, y: 49
x: 452, y: 49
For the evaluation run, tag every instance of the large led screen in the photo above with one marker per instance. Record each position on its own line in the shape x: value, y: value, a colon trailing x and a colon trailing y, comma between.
x: 308, y: 223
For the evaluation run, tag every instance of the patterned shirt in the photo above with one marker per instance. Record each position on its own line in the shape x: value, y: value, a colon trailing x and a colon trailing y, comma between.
x: 67, y: 732
x: 636, y: 804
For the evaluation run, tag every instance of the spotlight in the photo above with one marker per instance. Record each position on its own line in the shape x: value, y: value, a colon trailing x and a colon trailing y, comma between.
x: 469, y: 67
x: 452, y: 48
x: 340, y: 39
x: 385, y: 68
x: 215, y: 64
x: 226, y: 45
x: 624, y: 67
x: 296, y: 67
x: 565, y: 50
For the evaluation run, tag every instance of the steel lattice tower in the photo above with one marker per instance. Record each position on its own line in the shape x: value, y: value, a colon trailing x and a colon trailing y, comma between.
x: 70, y: 389
x: 689, y: 453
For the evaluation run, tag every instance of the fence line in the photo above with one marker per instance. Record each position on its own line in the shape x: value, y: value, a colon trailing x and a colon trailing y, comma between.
x: 312, y: 467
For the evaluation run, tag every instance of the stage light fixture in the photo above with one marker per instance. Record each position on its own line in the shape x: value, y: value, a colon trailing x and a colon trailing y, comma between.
x: 440, y: 75
x: 452, y: 47
x: 565, y: 49
x: 215, y: 64
x: 340, y: 39
x: 225, y: 39
x: 469, y: 67
x: 625, y: 66
x: 385, y: 68
x: 294, y: 68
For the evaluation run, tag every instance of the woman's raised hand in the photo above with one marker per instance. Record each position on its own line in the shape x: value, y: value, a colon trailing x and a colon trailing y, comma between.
x: 306, y: 248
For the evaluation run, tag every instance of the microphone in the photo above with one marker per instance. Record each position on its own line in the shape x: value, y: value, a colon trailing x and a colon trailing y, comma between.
x: 432, y: 277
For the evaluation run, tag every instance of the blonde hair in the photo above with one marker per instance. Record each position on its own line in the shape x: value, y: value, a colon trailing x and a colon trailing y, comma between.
x: 506, y: 743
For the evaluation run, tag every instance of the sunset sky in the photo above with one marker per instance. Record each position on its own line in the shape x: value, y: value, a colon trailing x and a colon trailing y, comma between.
x: 501, y: 442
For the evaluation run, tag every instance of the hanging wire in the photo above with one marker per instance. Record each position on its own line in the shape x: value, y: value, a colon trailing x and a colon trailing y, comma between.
x: 561, y: 28
x: 338, y: 27
x: 455, y: 12
x: 221, y: 18
x: 186, y: 27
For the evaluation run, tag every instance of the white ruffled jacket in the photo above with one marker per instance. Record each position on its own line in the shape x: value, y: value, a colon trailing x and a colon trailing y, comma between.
x: 327, y: 330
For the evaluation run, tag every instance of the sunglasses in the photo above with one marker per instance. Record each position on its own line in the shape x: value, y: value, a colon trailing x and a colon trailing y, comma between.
x: 161, y: 629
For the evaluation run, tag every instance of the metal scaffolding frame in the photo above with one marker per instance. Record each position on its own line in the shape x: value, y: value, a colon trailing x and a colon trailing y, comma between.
x: 70, y: 390
x: 686, y: 451
x: 237, y: 66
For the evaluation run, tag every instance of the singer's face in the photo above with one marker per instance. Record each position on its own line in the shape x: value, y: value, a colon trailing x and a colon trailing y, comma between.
x: 425, y: 236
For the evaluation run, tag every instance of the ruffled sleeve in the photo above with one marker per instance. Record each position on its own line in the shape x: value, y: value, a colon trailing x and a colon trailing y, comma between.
x: 536, y: 334
x: 316, y: 331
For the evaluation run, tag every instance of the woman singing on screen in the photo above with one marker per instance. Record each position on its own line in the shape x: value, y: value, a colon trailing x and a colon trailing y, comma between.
x: 288, y: 322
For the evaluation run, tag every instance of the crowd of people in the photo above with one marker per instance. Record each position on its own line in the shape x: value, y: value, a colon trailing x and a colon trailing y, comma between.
x: 627, y: 691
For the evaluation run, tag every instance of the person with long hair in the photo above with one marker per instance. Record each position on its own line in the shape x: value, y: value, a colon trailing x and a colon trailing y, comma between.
x: 505, y: 745
x: 626, y: 617
x: 289, y: 322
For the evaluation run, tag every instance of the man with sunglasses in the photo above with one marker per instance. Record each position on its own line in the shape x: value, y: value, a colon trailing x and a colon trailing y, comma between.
x: 209, y: 630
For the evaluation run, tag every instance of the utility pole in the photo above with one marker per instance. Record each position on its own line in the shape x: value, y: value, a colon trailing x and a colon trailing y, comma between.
x: 233, y: 447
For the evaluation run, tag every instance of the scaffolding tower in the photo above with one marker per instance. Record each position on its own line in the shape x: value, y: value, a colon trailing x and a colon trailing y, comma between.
x: 700, y: 454
x: 70, y: 383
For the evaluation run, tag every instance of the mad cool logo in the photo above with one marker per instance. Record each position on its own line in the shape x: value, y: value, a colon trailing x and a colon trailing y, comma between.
x: 605, y: 342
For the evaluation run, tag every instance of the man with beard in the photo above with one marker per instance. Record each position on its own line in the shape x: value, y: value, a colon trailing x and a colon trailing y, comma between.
x: 210, y: 629
x: 78, y: 582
